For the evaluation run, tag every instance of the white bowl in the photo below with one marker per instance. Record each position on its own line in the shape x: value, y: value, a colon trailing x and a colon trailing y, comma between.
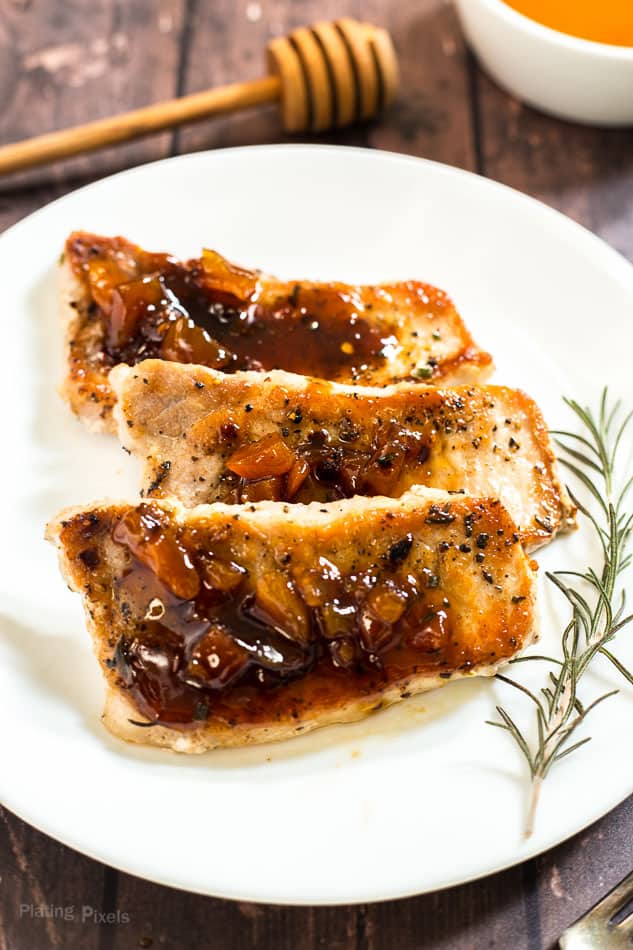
x: 568, y: 77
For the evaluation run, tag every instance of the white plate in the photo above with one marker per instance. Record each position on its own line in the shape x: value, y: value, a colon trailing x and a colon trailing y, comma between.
x: 420, y: 796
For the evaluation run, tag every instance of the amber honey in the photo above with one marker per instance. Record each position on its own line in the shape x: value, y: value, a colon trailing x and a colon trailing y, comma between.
x: 603, y: 21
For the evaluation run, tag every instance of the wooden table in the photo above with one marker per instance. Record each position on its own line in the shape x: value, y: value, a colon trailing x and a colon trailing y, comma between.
x: 67, y: 61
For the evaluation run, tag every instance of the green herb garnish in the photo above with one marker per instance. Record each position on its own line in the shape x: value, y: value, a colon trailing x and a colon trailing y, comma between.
x: 423, y: 372
x: 595, y: 598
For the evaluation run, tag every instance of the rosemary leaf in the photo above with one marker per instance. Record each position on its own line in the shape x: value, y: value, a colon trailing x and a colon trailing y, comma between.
x: 596, y: 612
x: 621, y: 669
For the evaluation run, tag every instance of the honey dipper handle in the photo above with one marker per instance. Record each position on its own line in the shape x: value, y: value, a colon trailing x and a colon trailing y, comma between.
x: 132, y: 125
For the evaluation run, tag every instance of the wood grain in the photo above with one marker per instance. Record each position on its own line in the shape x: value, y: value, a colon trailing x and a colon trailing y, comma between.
x: 61, y: 63
x: 126, y: 126
x: 586, y: 173
x: 525, y: 907
x: 432, y: 120
x: 62, y: 67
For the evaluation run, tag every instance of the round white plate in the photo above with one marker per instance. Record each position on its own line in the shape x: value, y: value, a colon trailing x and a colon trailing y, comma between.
x: 418, y: 797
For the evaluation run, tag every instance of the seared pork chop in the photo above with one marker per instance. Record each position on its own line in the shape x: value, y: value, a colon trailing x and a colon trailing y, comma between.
x: 217, y: 626
x: 205, y: 436
x: 121, y: 304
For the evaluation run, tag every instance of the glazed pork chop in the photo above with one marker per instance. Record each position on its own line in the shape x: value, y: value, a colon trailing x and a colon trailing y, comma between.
x: 219, y: 627
x: 121, y: 304
x: 205, y: 436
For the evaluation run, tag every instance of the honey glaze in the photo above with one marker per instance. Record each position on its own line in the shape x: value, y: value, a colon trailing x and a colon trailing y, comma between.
x: 210, y: 312
x: 327, y: 465
x: 208, y: 635
x: 610, y: 21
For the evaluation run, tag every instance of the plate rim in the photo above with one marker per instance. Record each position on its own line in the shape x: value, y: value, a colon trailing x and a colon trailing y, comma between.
x: 373, y: 154
x: 271, y: 900
x: 610, y: 258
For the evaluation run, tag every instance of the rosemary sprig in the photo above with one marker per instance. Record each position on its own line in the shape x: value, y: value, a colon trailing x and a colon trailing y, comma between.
x: 597, y: 609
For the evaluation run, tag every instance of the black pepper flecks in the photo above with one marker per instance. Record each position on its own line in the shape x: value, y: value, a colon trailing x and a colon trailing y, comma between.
x: 159, y: 478
x: 439, y: 515
x: 399, y: 551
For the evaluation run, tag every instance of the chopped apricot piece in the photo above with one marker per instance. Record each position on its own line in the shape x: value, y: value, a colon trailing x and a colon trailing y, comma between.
x: 223, y: 575
x: 217, y: 659
x: 223, y: 277
x: 185, y: 342
x: 263, y: 489
x: 343, y: 652
x: 319, y: 585
x: 268, y: 456
x: 375, y: 634
x: 103, y: 277
x: 387, y: 603
x: 277, y: 599
x: 427, y: 628
x: 296, y: 477
x: 128, y: 303
x: 142, y: 531
x: 336, y: 620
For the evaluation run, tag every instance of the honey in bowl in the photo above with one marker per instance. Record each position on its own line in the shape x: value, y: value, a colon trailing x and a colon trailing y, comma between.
x: 603, y: 21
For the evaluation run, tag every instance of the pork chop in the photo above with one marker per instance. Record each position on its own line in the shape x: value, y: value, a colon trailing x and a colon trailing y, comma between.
x: 216, y: 626
x: 121, y: 304
x: 206, y: 436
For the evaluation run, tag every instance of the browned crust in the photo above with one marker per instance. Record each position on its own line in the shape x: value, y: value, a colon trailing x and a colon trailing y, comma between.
x: 85, y: 387
x: 501, y: 626
x: 172, y: 416
x: 89, y: 395
x: 118, y: 711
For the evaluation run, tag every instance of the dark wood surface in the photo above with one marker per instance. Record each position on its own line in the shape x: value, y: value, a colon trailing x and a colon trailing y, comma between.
x: 66, y: 61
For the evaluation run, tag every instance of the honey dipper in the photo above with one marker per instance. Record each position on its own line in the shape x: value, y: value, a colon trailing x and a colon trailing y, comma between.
x: 326, y: 75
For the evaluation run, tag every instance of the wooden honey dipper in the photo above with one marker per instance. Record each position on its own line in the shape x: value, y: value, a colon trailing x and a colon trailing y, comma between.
x: 326, y: 75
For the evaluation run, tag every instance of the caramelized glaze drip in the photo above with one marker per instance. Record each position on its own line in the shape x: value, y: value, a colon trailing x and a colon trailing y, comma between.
x: 210, y: 312
x: 209, y: 638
